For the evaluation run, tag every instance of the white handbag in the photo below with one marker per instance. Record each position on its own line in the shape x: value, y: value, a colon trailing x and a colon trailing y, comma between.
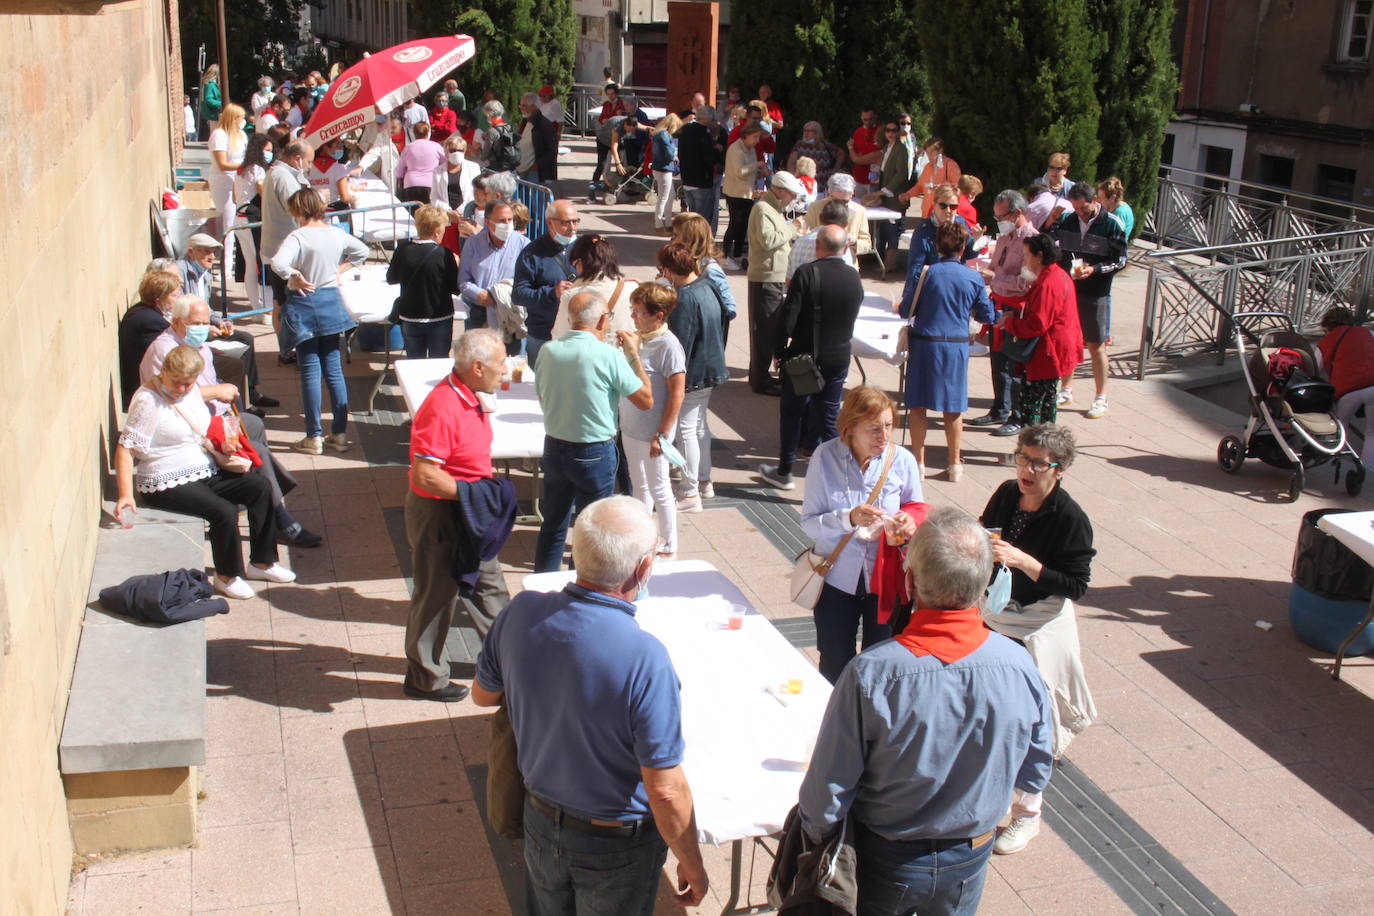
x: 809, y: 569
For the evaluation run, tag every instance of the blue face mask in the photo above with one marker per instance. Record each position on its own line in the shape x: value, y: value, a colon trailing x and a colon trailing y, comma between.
x: 267, y: 158
x: 564, y: 240
x: 197, y: 334
x: 338, y: 155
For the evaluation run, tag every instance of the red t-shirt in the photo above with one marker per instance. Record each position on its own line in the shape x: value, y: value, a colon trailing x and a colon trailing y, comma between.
x: 865, y: 141
x: 451, y: 430
x: 442, y: 123
x: 765, y: 145
x: 966, y: 210
x: 1353, y: 367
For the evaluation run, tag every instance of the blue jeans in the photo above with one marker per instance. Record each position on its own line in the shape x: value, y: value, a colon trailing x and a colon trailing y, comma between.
x: 703, y: 201
x: 532, y: 347
x: 808, y: 420
x: 575, y: 474
x: 567, y: 872
x: 837, y: 616
x: 898, y: 877
x: 889, y: 235
x: 427, y: 339
x: 310, y: 356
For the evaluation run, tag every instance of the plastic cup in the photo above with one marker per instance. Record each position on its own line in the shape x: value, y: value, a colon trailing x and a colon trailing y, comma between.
x: 736, y: 618
x: 517, y: 369
x: 794, y: 685
x: 994, y: 533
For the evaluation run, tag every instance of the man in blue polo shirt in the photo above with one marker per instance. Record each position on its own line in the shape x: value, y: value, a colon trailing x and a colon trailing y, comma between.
x: 594, y: 704
x: 580, y: 379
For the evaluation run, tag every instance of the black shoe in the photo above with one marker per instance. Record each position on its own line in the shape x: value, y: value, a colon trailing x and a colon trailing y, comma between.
x: 452, y: 693
x: 262, y: 400
x: 286, y: 359
x: 990, y: 419
x: 1007, y: 429
x: 303, y: 537
x: 256, y: 411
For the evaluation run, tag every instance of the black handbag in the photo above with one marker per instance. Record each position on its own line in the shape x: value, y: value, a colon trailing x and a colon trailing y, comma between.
x: 1018, y: 349
x: 802, y: 369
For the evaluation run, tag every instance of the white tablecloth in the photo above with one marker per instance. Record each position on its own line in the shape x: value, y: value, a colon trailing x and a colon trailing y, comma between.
x: 379, y: 225
x: 517, y: 427
x: 879, y: 213
x: 876, y: 330
x: 1353, y: 529
x: 368, y: 297
x: 746, y: 752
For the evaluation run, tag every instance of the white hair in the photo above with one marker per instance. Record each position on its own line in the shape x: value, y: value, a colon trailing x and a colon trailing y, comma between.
x: 167, y: 264
x: 706, y: 113
x: 950, y: 558
x: 494, y: 109
x: 841, y: 181
x: 530, y: 98
x: 585, y: 309
x: 502, y: 184
x: 182, y: 305
x: 610, y: 538
x: 478, y: 345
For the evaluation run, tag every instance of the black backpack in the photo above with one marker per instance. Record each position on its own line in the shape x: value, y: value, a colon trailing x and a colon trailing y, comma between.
x: 505, y: 153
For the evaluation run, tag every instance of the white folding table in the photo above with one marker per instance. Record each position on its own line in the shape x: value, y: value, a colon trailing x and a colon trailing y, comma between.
x: 1356, y: 531
x: 747, y: 745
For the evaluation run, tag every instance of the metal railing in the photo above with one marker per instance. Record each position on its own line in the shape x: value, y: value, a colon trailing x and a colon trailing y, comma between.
x: 536, y: 198
x: 1191, y: 293
x: 584, y: 104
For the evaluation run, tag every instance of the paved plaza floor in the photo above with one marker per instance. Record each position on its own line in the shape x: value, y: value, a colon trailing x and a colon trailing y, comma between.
x: 1228, y: 772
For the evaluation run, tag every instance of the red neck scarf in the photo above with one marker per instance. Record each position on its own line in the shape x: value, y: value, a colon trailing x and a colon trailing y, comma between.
x: 947, y: 635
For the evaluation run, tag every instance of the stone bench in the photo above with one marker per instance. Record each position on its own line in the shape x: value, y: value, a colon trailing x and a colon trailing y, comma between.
x: 134, y: 734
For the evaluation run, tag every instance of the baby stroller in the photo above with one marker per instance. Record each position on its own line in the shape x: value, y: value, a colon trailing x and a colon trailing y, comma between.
x: 632, y: 187
x: 1291, y: 421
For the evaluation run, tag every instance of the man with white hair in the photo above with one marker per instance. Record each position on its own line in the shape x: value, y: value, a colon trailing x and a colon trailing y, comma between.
x: 450, y: 447
x: 543, y: 274
x: 197, y: 278
x: 580, y: 382
x: 600, y: 753
x: 770, y: 242
x: 190, y: 326
x: 841, y: 186
x: 927, y: 735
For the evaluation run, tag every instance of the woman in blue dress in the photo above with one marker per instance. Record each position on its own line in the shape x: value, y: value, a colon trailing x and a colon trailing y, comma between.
x: 937, y: 343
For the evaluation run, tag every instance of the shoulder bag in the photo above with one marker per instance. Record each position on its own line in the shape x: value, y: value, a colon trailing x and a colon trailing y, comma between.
x: 802, y: 369
x: 234, y: 463
x: 809, y: 569
x: 904, y: 336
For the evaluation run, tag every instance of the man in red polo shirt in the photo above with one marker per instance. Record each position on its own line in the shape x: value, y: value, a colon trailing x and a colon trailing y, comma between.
x: 450, y: 441
x: 864, y: 150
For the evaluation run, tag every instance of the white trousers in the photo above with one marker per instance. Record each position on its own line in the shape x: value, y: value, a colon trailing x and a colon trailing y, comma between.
x: 1346, y: 409
x: 649, y: 478
x: 663, y: 211
x: 251, y: 268
x: 694, y: 439
x: 223, y: 196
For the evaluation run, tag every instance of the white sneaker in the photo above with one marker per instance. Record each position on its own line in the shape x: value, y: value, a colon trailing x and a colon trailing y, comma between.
x: 954, y: 473
x: 234, y: 588
x: 273, y: 573
x: 690, y: 504
x: 1065, y: 396
x: 338, y: 442
x: 769, y: 472
x: 731, y: 264
x: 1098, y: 410
x: 1013, y: 838
x: 706, y: 490
x: 310, y: 445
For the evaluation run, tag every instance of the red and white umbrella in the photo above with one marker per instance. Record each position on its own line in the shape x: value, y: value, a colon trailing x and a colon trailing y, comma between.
x: 383, y: 81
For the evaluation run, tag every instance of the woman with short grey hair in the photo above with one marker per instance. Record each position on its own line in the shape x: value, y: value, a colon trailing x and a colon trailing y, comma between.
x: 827, y: 156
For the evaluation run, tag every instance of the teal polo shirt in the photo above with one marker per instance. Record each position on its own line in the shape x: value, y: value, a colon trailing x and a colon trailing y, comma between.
x: 580, y: 381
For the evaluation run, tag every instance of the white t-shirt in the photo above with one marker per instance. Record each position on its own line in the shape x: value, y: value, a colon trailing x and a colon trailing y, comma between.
x: 267, y: 119
x: 315, y: 252
x: 167, y: 449
x: 219, y: 142
x: 553, y: 110
x: 662, y: 357
x: 188, y: 118
x: 526, y: 147
x: 261, y: 99
x: 246, y: 183
x: 327, y: 182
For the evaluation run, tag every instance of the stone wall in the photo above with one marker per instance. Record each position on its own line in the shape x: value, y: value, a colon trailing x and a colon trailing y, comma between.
x: 86, y: 137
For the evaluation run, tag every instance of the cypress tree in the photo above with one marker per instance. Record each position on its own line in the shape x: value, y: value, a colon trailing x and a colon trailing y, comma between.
x: 1012, y: 81
x: 881, y: 66
x: 1136, y: 85
x: 521, y: 44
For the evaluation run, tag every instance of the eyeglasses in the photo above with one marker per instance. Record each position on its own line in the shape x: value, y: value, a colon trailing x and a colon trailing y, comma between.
x: 889, y: 130
x: 1038, y: 465
x: 1058, y: 168
x: 945, y: 205
x: 565, y: 222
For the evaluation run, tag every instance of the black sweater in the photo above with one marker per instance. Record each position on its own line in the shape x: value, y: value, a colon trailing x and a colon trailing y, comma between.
x: 1058, y: 534
x: 831, y: 285
x: 428, y: 276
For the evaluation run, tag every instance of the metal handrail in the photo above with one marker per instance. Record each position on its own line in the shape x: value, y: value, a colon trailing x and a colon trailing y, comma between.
x: 1232, y: 246
x: 1285, y: 193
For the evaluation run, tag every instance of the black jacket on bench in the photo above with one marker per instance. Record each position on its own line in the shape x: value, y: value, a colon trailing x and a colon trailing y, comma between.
x: 170, y: 597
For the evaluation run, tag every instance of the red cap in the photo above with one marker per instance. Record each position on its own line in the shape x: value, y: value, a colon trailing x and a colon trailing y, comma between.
x: 546, y: 89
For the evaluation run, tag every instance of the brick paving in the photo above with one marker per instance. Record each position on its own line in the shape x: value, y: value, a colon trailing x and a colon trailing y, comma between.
x: 326, y: 791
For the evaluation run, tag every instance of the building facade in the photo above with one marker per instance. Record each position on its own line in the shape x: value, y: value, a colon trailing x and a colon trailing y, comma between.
x: 1277, y: 92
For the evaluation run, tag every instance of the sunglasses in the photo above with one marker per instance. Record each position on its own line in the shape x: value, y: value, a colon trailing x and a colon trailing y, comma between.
x: 1058, y: 168
x: 947, y: 206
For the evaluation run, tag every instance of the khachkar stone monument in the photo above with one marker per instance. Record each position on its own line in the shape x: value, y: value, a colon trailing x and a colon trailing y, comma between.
x: 693, y: 51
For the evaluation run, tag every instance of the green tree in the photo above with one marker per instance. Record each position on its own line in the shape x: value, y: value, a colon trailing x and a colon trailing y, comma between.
x: 882, y: 66
x: 1136, y: 85
x: 1011, y: 82
x: 521, y: 44
x: 261, y: 34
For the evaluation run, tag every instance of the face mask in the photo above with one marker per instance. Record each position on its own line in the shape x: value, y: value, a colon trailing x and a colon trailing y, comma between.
x: 381, y: 119
x: 486, y: 401
x: 441, y: 103
x: 1028, y: 275
x: 197, y: 334
x: 167, y: 394
x: 502, y: 231
x: 337, y: 155
x: 1004, y: 226
x: 456, y: 158
x: 564, y: 240
x: 267, y: 158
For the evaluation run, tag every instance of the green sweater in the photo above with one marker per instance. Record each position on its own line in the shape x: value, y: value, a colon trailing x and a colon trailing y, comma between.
x: 770, y: 240
x: 210, y: 101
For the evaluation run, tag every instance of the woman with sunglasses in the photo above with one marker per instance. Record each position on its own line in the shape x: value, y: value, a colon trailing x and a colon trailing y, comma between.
x: 1045, y: 541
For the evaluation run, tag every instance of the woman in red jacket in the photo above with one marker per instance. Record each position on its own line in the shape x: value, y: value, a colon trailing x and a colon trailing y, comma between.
x: 1050, y: 313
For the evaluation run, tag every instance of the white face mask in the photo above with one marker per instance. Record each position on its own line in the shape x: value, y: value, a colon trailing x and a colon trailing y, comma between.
x: 1028, y: 275
x: 486, y: 401
x: 502, y: 231
x: 1004, y: 226
x: 456, y: 158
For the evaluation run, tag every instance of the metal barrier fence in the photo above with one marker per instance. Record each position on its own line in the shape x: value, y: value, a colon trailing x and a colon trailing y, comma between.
x: 1192, y: 292
x: 536, y: 198
x: 584, y: 103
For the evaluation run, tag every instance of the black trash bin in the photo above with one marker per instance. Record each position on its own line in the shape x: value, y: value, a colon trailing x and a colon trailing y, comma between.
x: 1331, y: 589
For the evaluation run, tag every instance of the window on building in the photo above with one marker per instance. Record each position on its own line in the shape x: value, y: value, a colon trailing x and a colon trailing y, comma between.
x: 1276, y: 171
x: 1356, y: 27
x: 1335, y: 181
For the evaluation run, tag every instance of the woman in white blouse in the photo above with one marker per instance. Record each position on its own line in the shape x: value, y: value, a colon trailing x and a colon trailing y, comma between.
x: 314, y: 317
x: 247, y: 193
x: 228, y: 143
x: 161, y: 455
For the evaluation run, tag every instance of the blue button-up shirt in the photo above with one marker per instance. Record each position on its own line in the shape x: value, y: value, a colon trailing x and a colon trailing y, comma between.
x: 835, y: 484
x: 484, y: 265
x: 924, y: 750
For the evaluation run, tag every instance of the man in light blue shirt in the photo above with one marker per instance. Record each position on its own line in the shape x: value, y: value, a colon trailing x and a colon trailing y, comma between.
x: 580, y: 381
x: 488, y: 258
x: 927, y: 735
